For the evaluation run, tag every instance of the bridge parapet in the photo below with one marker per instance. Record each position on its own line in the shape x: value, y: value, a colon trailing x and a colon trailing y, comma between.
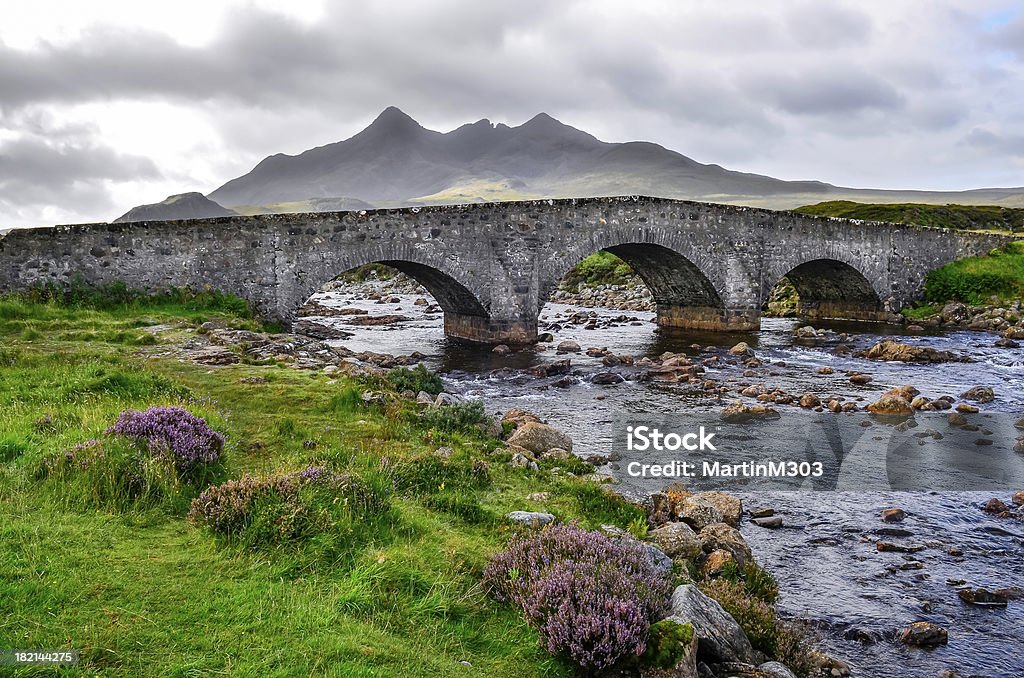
x: 492, y: 266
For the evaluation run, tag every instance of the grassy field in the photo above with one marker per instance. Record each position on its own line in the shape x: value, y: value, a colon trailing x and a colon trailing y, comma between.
x: 979, y: 217
x: 141, y: 591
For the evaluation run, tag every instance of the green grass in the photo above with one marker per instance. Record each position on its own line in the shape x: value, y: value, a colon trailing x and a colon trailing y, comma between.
x: 142, y: 592
x: 997, y: 276
x: 600, y: 268
x: 979, y: 217
x: 974, y: 280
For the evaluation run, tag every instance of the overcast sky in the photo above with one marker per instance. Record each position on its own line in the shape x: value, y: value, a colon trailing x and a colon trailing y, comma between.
x: 108, y: 104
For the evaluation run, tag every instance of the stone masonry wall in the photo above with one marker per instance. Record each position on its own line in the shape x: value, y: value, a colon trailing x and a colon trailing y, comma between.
x: 492, y: 266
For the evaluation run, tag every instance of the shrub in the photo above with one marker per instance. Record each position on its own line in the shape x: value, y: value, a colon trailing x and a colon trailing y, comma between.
x: 286, y: 507
x: 600, y: 268
x: 455, y: 417
x: 430, y: 474
x: 415, y: 380
x: 116, y: 473
x: 461, y: 505
x: 754, y: 615
x: 160, y: 457
x: 666, y: 643
x: 591, y: 598
x: 172, y: 432
x: 756, y: 581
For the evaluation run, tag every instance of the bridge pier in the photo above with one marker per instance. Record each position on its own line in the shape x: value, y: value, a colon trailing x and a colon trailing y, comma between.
x: 709, y: 318
x: 842, y: 310
x: 481, y: 330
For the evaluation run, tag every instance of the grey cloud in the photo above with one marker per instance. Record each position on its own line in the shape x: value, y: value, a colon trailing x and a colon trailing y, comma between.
x: 66, y: 167
x: 828, y: 26
x: 1011, y: 37
x: 823, y: 92
x: 981, y: 138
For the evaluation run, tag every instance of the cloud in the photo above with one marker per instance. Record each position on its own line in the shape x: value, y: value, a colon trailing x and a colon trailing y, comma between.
x: 52, y: 165
x: 767, y: 86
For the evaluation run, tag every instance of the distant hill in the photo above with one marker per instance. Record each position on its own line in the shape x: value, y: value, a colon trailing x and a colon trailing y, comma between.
x: 397, y: 162
x: 181, y: 206
x: 945, y: 216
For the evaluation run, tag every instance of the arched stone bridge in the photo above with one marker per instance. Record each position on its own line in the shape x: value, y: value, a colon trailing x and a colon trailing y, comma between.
x: 492, y: 266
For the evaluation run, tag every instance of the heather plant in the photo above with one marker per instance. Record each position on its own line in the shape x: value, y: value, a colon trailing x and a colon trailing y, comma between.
x: 288, y: 507
x: 160, y: 457
x: 591, y: 598
x: 172, y: 432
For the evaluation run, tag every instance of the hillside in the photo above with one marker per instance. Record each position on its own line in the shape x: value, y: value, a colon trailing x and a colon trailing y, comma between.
x: 396, y: 162
x: 983, y: 217
x: 181, y: 206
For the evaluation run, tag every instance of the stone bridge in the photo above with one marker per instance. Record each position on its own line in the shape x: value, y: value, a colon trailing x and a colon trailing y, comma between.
x: 492, y: 266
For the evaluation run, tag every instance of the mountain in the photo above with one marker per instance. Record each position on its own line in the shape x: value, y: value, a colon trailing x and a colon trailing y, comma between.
x: 181, y: 206
x: 396, y: 162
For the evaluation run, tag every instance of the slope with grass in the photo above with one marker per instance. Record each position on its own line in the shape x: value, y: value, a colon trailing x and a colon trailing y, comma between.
x: 140, y: 591
x: 976, y: 217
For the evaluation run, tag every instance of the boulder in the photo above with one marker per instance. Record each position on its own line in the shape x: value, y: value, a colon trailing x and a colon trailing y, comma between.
x: 893, y: 515
x: 891, y: 405
x: 519, y: 417
x: 1018, y: 498
x: 557, y: 454
x: 539, y: 438
x: 728, y: 506
x: 742, y: 349
x: 981, y: 597
x: 520, y: 460
x: 567, y: 347
x: 809, y: 401
x: 907, y: 353
x: 658, y: 507
x: 775, y: 670
x: 676, y: 540
x: 698, y: 512
x: 715, y: 561
x: 606, y: 379
x: 979, y: 394
x: 995, y: 506
x: 718, y: 635
x: 738, y: 413
x: 769, y: 522
x: 719, y: 536
x: 531, y: 519
x: 924, y: 634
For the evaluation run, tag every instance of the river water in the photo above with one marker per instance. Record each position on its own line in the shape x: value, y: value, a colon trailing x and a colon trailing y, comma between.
x: 829, y: 571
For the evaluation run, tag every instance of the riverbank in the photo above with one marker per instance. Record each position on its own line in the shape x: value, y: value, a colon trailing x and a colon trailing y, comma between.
x: 397, y: 593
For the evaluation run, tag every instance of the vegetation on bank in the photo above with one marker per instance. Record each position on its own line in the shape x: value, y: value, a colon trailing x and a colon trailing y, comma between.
x: 600, y: 268
x: 166, y: 518
x: 977, y: 217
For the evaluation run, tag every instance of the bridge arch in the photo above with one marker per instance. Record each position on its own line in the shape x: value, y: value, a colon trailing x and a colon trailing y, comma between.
x: 689, y: 290
x: 832, y: 286
x: 464, y: 299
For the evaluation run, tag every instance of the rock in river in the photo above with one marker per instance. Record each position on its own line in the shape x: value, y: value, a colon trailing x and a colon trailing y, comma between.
x: 539, y: 438
x: 924, y: 634
x: 908, y: 353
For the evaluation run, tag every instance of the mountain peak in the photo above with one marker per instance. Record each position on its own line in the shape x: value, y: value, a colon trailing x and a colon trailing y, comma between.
x: 393, y: 117
x: 543, y: 119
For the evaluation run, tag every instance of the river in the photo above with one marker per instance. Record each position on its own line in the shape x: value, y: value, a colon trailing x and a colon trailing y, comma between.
x: 828, y: 568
